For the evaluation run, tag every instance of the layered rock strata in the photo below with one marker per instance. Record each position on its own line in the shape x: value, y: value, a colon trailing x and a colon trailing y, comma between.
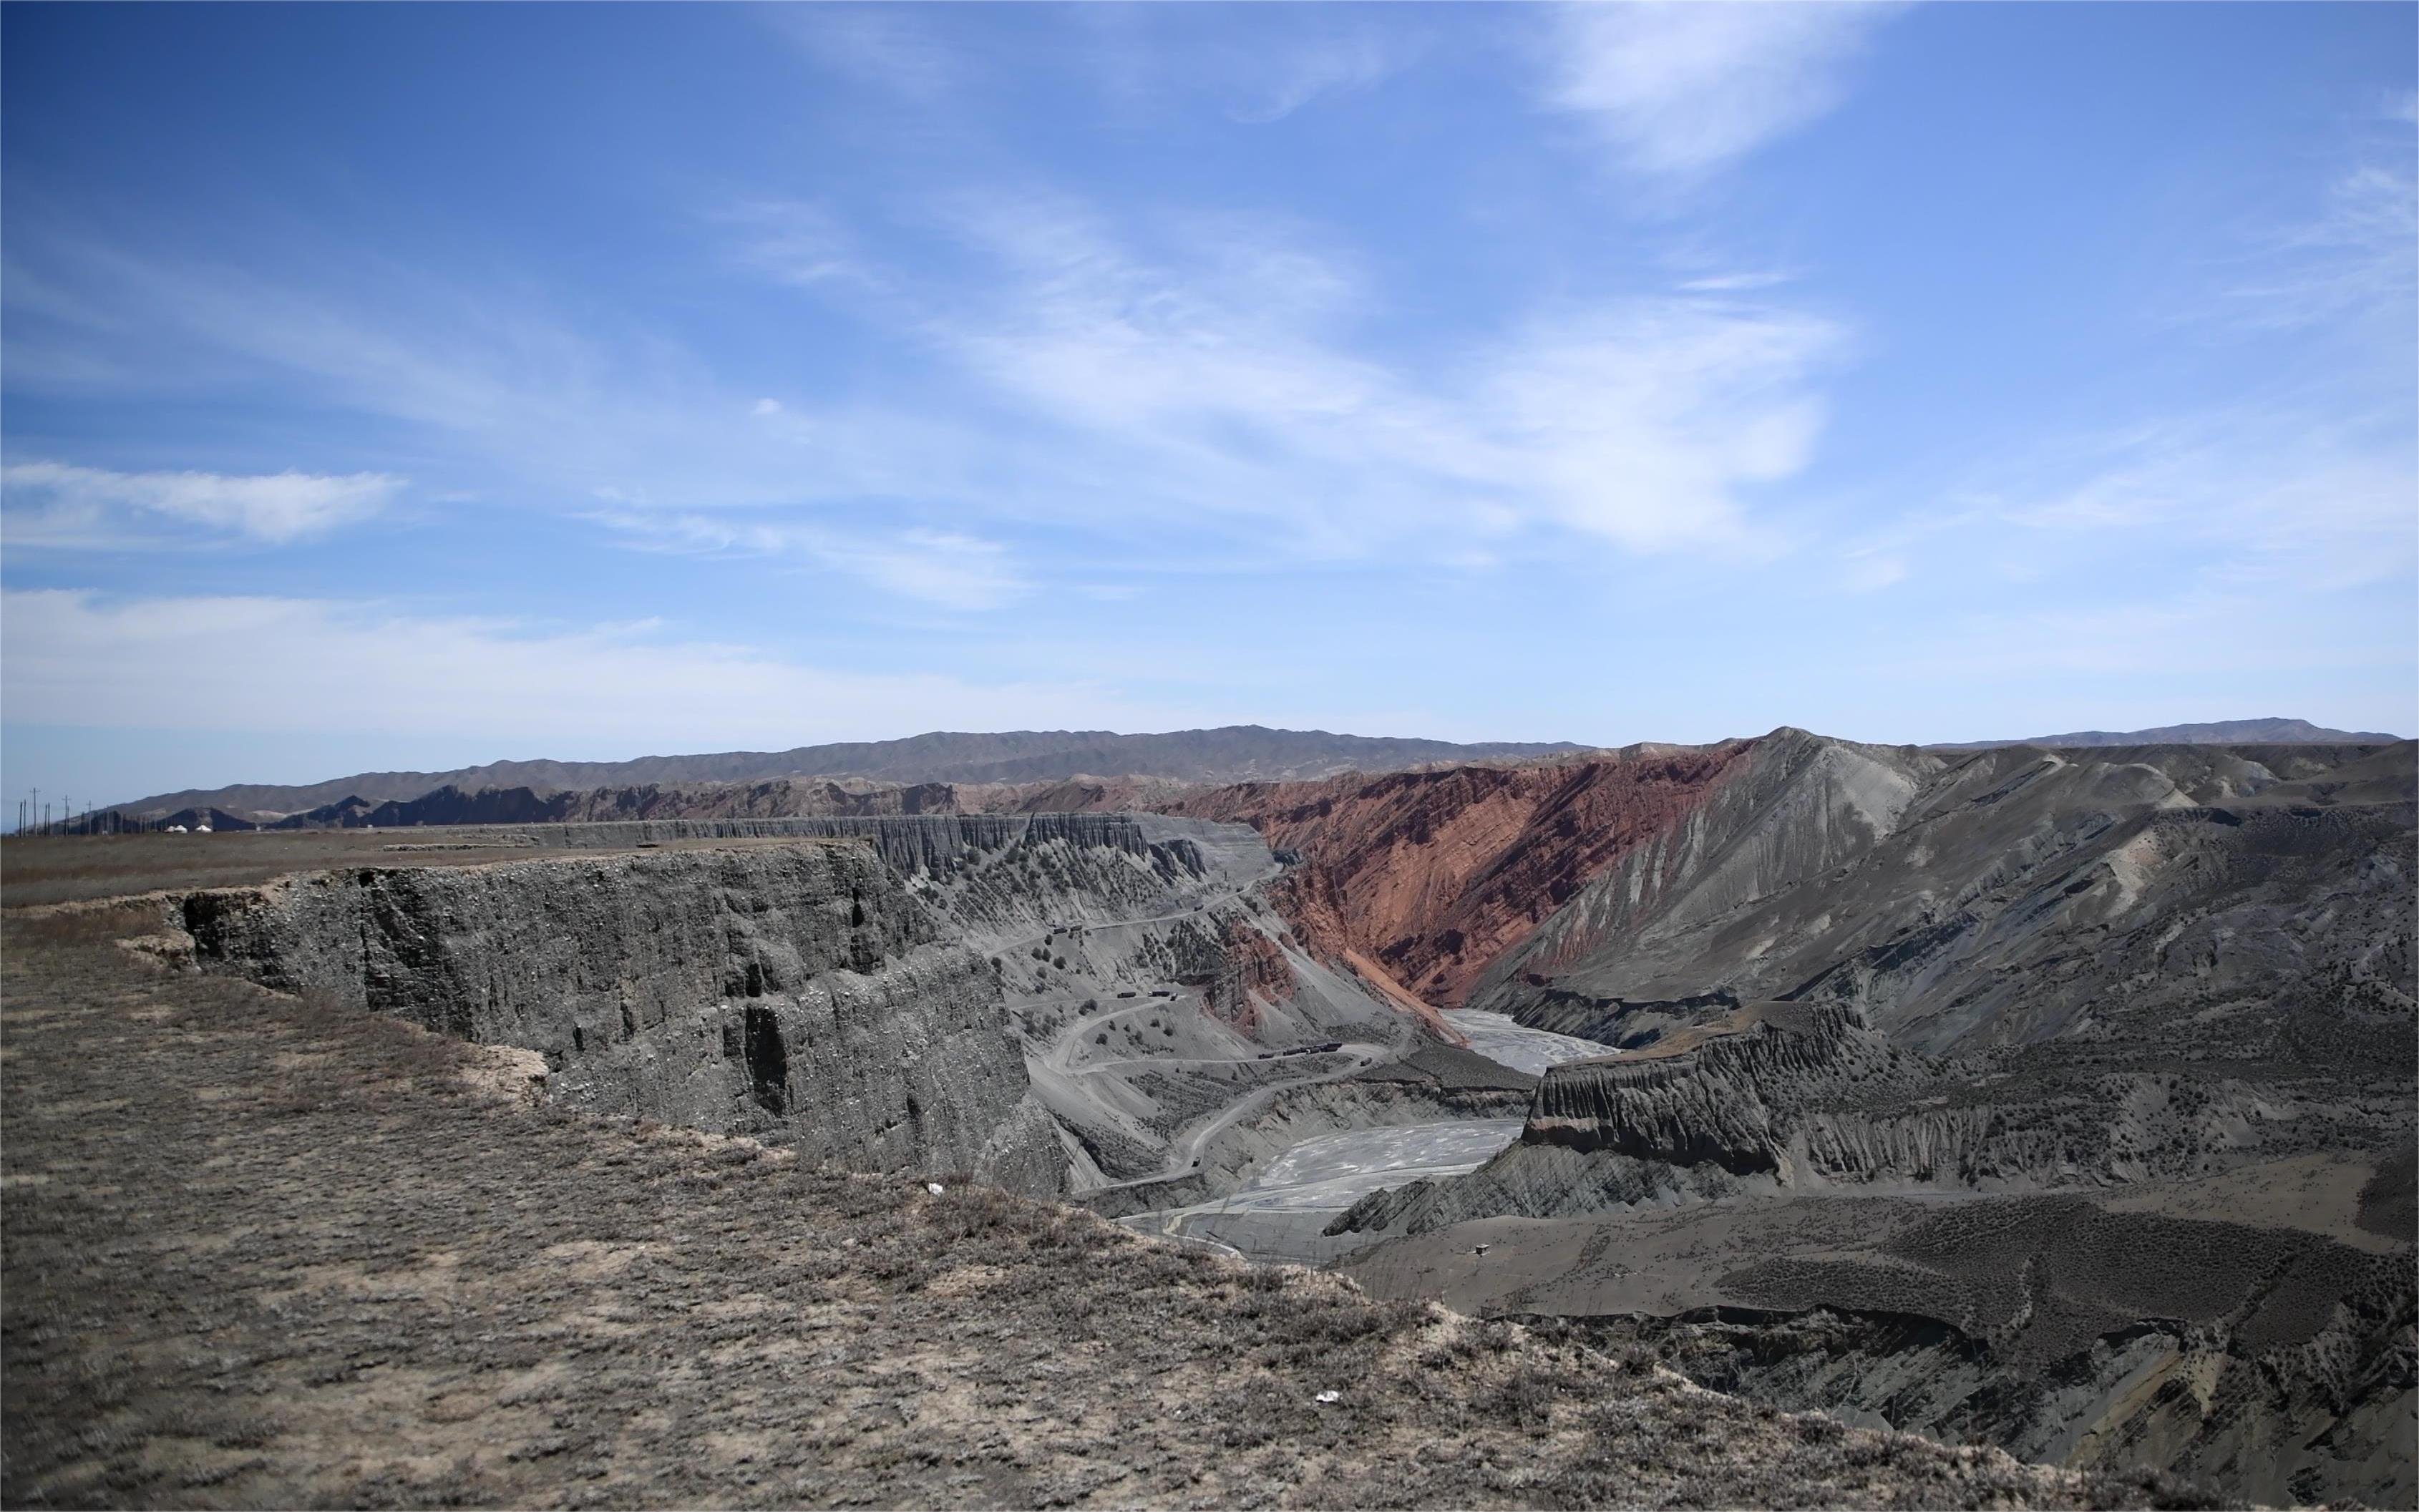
x: 799, y: 991
x: 1730, y: 1102
x: 2009, y: 898
x: 2280, y: 1364
x: 1425, y: 878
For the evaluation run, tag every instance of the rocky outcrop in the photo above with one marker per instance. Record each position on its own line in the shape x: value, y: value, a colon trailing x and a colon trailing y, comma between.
x: 1793, y: 1097
x: 1797, y: 808
x: 2009, y: 898
x: 1429, y: 877
x: 943, y: 845
x: 2280, y: 1364
x: 2118, y: 978
x: 1731, y: 1100
x: 798, y: 992
x: 1014, y: 873
x: 1236, y: 966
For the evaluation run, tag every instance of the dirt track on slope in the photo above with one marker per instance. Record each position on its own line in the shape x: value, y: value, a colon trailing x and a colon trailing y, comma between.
x: 260, y: 1252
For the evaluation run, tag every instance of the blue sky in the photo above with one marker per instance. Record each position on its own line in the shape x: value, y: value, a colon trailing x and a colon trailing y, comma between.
x: 412, y: 386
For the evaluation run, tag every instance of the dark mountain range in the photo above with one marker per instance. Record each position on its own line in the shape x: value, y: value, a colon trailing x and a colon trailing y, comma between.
x: 1235, y: 753
x: 2221, y: 733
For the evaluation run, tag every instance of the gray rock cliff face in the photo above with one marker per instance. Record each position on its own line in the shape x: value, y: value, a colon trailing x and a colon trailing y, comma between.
x: 2015, y: 897
x: 2278, y: 1363
x: 798, y: 992
x: 936, y: 843
x: 2094, y: 968
x: 1730, y: 1102
x: 1801, y: 807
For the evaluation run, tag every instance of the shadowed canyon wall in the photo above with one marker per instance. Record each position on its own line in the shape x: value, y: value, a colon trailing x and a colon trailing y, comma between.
x: 797, y: 991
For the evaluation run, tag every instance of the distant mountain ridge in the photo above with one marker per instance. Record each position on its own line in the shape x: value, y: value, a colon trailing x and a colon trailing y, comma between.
x: 1233, y: 753
x: 2221, y: 733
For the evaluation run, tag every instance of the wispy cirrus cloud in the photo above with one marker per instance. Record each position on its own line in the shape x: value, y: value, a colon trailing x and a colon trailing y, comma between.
x: 2300, y: 503
x: 59, y: 505
x: 946, y: 569
x: 889, y: 47
x: 1196, y: 378
x: 1285, y: 78
x: 1224, y: 380
x: 1209, y: 387
x: 1679, y: 90
x: 2357, y: 258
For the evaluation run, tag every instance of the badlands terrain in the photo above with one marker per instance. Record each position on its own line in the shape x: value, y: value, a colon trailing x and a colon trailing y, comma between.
x: 513, y: 1140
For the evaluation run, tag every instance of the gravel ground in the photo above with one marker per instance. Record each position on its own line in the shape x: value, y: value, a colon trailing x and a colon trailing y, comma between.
x: 261, y: 1252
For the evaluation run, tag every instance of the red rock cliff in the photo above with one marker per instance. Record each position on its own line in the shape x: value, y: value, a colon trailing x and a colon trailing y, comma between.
x: 1427, y: 877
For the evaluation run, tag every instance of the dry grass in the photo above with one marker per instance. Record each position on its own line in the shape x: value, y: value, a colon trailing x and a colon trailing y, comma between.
x: 63, y: 869
x: 265, y: 1252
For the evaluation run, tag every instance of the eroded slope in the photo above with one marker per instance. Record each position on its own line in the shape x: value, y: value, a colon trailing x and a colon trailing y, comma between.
x: 1427, y: 878
x: 262, y: 1254
x: 797, y: 990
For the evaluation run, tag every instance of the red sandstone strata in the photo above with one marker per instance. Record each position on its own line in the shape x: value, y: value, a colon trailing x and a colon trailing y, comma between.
x: 1425, y: 878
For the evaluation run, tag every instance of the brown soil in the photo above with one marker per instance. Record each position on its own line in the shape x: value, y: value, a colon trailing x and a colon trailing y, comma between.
x: 36, y: 869
x: 260, y: 1252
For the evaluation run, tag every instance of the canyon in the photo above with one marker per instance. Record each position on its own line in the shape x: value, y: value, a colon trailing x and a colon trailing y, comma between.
x: 2054, y: 1100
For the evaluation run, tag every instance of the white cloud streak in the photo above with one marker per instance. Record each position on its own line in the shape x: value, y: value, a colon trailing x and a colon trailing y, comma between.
x: 54, y: 503
x: 1346, y: 63
x: 1228, y: 374
x: 2357, y: 259
x: 269, y: 664
x: 887, y: 47
x: 948, y: 569
x: 1217, y: 391
x: 1679, y: 90
x: 2288, y: 503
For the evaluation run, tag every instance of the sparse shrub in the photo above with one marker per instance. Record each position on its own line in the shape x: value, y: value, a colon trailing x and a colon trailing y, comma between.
x: 1526, y: 1398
